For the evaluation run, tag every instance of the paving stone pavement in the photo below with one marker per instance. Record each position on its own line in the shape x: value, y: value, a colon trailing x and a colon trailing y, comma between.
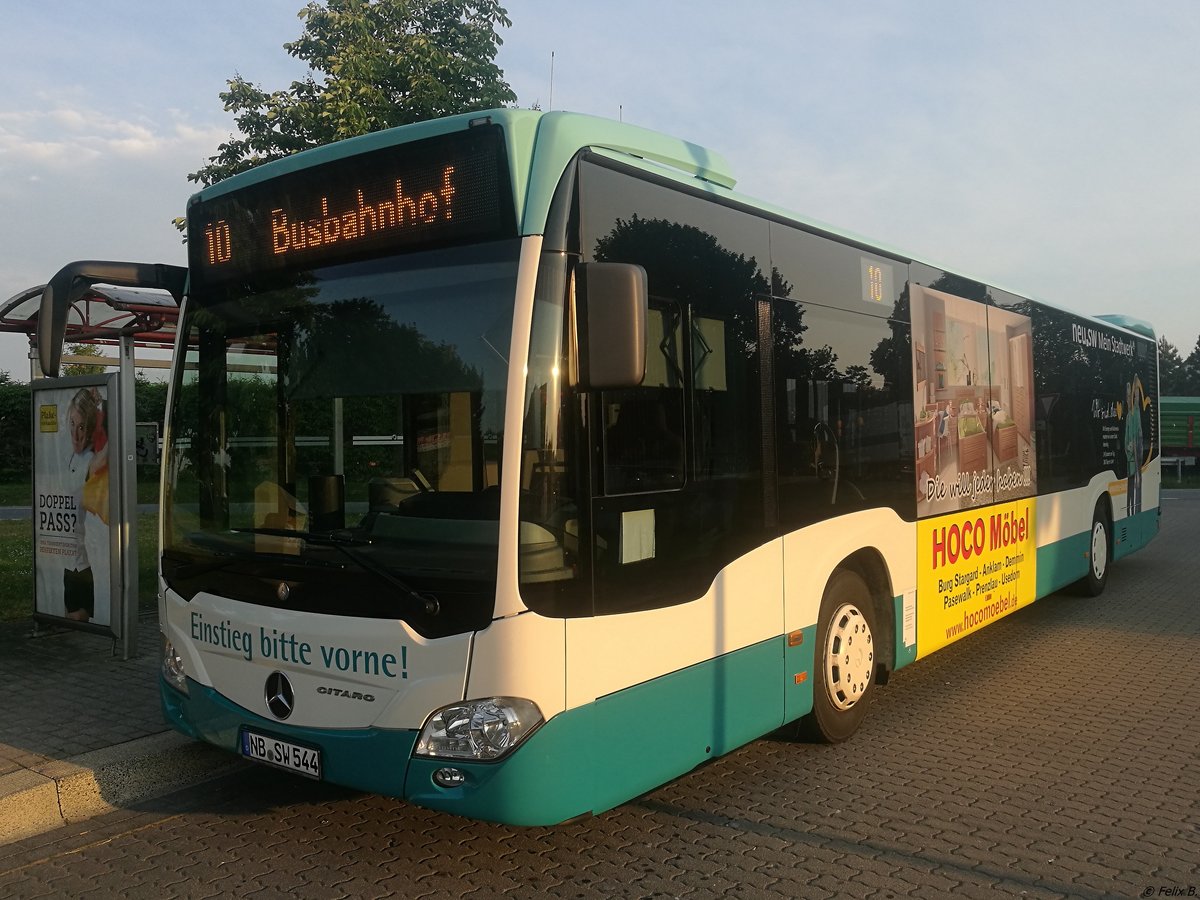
x: 66, y: 693
x: 81, y: 731
x: 1054, y: 754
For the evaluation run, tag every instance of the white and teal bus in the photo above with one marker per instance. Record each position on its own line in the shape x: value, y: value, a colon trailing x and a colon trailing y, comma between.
x: 516, y: 464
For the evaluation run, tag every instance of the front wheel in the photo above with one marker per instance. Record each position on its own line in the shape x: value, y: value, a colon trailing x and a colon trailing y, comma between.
x: 1099, y: 556
x: 844, y: 669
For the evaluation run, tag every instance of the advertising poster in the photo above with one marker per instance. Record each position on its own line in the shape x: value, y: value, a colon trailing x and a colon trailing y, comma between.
x: 975, y: 567
x: 974, y: 413
x: 1122, y: 422
x: 74, y: 560
x: 146, y: 443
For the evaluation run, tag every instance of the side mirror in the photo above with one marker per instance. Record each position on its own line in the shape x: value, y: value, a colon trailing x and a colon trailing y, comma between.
x: 73, y: 279
x: 610, y: 325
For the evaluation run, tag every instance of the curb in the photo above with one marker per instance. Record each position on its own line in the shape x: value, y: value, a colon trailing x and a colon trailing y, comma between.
x: 63, y: 792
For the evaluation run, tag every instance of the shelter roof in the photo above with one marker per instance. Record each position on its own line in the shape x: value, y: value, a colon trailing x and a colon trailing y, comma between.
x: 101, y: 315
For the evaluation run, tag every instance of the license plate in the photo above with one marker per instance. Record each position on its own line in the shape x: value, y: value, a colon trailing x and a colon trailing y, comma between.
x: 284, y: 754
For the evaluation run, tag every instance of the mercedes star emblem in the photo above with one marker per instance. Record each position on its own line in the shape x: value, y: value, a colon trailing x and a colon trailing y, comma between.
x: 280, y: 697
x: 283, y: 592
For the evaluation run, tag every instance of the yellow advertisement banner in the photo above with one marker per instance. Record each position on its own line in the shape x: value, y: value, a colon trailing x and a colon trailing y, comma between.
x: 972, y: 568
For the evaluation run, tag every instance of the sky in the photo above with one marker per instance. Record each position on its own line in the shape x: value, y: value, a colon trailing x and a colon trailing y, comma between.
x: 1049, y: 148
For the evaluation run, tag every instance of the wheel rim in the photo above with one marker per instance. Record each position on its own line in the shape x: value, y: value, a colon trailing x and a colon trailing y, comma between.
x: 849, y: 656
x: 1099, y: 551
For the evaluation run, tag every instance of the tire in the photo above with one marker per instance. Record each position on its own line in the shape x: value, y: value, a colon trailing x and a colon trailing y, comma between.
x: 1099, y: 553
x: 844, y: 667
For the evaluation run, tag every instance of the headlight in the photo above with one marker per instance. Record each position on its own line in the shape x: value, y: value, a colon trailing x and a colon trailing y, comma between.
x: 479, y: 729
x: 172, y: 667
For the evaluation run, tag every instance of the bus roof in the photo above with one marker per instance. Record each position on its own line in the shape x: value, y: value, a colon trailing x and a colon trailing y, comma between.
x: 540, y: 145
x: 560, y: 135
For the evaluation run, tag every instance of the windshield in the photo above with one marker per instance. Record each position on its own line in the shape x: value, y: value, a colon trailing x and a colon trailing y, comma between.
x: 335, y: 441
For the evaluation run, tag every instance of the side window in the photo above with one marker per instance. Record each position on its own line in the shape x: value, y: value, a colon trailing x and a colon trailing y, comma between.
x: 1088, y: 379
x: 726, y: 391
x: 643, y: 426
x: 842, y: 352
x: 817, y: 269
x: 680, y: 490
x: 837, y: 410
x: 1066, y: 381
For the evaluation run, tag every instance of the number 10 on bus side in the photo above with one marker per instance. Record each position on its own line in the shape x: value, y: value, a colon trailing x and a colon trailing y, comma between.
x: 284, y: 754
x: 218, y: 241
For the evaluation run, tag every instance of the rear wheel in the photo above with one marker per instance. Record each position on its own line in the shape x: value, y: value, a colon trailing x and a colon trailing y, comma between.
x: 1099, y: 553
x: 844, y: 668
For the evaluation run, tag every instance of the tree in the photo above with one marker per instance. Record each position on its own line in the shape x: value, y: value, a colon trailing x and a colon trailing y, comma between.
x: 685, y: 263
x: 150, y: 399
x: 15, y: 433
x: 373, y: 64
x: 84, y: 368
x: 1190, y: 386
x: 1170, y: 369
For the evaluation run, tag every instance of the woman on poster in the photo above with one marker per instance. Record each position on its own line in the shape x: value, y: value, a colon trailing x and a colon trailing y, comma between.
x: 86, y: 575
x: 1133, y: 446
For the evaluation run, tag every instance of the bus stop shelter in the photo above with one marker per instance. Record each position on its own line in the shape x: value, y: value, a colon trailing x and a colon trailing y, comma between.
x: 125, y: 319
x: 101, y: 315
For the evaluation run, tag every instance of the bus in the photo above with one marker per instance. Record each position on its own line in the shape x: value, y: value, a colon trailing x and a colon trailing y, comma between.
x: 516, y: 465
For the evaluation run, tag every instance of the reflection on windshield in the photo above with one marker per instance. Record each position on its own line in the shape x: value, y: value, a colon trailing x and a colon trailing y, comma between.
x: 363, y: 403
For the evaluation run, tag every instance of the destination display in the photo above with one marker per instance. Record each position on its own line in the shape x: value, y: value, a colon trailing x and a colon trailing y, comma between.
x: 448, y: 189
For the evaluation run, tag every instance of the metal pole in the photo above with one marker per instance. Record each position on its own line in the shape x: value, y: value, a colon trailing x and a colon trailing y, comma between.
x: 339, y: 452
x: 127, y: 518
x: 35, y: 372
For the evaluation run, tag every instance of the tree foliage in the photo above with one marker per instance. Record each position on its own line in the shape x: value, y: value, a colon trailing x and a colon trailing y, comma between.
x: 85, y: 368
x: 373, y: 64
x: 1170, y: 369
x: 15, y: 430
x: 150, y: 400
x: 1190, y: 378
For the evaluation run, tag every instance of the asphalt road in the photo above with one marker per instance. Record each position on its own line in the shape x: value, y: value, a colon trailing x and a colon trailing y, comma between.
x: 1054, y: 754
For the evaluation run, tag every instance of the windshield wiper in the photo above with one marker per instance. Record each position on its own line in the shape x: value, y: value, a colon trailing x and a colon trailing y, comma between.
x: 339, y: 537
x: 344, y: 541
x: 190, y: 568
